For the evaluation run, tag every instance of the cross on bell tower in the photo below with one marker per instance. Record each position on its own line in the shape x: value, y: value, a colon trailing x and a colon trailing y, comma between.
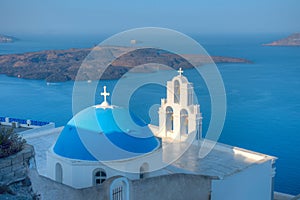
x: 180, y: 71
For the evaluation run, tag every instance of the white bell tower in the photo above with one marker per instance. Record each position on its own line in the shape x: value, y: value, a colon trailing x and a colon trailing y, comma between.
x: 178, y: 115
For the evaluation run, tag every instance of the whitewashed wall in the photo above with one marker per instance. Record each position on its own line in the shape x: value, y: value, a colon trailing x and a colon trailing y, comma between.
x: 79, y: 174
x: 252, y: 183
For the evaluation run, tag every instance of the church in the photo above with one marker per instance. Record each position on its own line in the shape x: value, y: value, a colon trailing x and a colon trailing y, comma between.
x: 126, y: 159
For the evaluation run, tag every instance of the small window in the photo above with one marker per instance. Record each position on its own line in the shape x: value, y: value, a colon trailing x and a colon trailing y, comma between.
x: 99, y: 176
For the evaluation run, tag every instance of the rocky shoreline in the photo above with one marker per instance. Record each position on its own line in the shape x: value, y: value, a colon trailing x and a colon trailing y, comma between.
x: 63, y: 65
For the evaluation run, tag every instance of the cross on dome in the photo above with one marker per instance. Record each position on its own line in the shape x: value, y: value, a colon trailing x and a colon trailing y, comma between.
x: 104, y: 93
x: 180, y: 71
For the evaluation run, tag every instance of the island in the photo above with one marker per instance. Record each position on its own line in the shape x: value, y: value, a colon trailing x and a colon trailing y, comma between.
x: 63, y: 65
x: 292, y: 40
x: 7, y: 39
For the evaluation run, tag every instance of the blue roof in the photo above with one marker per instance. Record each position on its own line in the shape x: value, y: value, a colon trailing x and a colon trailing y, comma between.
x: 98, y: 133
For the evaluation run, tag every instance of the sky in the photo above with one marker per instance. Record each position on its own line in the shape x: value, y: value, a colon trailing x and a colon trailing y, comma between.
x: 111, y: 16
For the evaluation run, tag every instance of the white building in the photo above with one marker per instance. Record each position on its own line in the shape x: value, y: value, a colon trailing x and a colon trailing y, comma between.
x: 101, y: 147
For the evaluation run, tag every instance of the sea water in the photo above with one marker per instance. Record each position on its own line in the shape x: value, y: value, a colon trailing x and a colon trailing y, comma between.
x: 263, y: 98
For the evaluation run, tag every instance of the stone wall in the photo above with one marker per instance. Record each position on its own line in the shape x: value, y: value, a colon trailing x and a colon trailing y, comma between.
x: 14, y: 168
x: 167, y: 187
x: 49, y: 189
x: 172, y: 187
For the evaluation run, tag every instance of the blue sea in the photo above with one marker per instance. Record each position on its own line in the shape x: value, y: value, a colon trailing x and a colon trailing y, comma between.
x: 263, y: 98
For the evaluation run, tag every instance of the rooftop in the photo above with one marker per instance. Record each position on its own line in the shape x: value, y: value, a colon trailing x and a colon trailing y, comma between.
x: 223, y: 160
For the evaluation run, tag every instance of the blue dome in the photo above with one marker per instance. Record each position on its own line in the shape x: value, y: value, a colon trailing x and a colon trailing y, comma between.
x: 105, y: 133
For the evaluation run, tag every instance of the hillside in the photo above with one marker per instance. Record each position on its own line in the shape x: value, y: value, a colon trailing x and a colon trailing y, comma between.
x: 292, y: 40
x: 63, y: 65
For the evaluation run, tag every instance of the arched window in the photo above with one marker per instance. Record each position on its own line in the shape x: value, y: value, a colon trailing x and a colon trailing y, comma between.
x: 176, y: 91
x: 169, y: 119
x: 144, y: 169
x: 184, y: 123
x: 58, y: 173
x: 99, y: 176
